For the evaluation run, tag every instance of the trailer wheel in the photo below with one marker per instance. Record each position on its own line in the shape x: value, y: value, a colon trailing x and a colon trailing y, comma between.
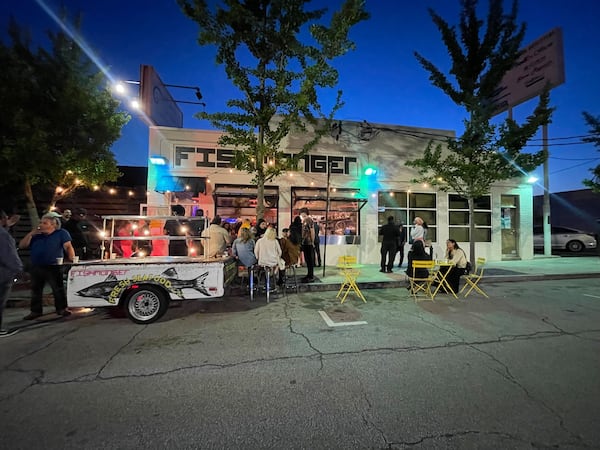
x: 146, y: 304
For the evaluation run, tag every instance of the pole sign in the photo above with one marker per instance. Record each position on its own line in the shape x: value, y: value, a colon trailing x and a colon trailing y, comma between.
x: 541, y: 63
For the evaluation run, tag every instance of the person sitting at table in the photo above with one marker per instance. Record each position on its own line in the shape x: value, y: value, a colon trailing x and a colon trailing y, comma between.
x: 268, y: 250
x: 458, y: 258
x: 243, y: 248
x: 417, y: 253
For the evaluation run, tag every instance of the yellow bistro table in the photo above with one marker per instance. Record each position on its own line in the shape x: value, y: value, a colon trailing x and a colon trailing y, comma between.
x: 441, y: 276
x: 350, y: 270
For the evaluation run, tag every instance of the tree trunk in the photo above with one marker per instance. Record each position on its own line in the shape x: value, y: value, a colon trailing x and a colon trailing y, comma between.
x: 260, y: 197
x: 472, y: 230
x: 31, y: 207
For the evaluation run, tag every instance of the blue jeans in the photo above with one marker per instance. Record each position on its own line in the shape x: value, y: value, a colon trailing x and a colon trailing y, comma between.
x: 4, y: 291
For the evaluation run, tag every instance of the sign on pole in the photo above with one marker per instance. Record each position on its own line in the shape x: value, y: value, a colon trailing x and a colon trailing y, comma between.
x: 541, y: 63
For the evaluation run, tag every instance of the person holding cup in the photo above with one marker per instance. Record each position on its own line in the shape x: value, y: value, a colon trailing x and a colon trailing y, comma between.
x: 48, y: 245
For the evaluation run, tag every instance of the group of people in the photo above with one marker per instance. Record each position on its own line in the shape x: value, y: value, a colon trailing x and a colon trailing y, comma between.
x: 260, y: 246
x: 453, y: 254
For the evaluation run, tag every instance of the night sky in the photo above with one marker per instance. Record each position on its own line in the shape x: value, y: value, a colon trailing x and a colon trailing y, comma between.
x: 382, y: 82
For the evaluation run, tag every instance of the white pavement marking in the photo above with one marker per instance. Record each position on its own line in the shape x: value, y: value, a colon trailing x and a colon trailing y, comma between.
x: 331, y: 323
x: 590, y: 295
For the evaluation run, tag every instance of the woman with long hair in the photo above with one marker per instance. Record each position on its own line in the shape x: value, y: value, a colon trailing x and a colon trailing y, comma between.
x: 243, y: 248
x: 457, y: 256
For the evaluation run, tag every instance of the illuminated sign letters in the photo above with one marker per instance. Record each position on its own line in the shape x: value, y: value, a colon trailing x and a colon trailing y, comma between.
x: 193, y: 157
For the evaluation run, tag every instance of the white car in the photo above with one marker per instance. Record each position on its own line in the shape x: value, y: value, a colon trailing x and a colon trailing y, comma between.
x: 564, y: 238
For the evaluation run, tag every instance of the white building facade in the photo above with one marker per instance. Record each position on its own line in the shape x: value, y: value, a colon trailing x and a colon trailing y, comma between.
x: 197, y: 174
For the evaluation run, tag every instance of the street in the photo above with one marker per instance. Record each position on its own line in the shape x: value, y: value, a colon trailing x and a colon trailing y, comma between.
x: 515, y: 371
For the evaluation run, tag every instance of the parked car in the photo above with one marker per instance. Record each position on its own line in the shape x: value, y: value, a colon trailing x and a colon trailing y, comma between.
x: 564, y: 238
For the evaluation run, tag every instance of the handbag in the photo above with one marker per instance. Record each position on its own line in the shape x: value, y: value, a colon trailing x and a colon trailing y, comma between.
x: 468, y: 268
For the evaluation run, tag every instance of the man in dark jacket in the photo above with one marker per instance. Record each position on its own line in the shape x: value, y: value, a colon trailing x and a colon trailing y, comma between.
x: 390, y: 233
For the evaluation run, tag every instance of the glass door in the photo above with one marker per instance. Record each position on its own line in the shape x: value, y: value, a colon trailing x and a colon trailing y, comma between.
x: 509, y: 226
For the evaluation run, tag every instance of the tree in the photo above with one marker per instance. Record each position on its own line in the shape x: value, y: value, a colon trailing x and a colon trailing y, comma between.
x: 279, y: 76
x: 594, y: 124
x: 486, y: 152
x: 58, y: 119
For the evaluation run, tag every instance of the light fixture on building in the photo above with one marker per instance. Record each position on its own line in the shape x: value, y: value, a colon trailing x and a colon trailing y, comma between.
x: 158, y: 160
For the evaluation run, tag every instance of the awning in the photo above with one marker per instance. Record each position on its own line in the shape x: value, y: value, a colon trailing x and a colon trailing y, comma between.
x: 347, y: 195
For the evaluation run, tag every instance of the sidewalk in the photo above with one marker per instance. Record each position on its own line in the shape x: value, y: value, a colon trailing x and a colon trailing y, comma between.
x: 540, y: 268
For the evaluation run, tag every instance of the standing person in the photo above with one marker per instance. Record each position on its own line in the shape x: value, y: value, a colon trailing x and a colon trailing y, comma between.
x: 78, y: 228
x: 401, y: 243
x: 260, y: 228
x: 418, y: 232
x: 218, y: 239
x: 123, y: 247
x: 317, y: 245
x: 10, y: 265
x: 66, y: 216
x: 177, y: 227
x: 389, y: 233
x: 141, y: 247
x: 48, y: 243
x: 243, y: 248
x: 308, y: 243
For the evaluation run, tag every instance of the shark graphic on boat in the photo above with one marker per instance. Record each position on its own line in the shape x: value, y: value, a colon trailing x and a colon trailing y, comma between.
x: 176, y: 285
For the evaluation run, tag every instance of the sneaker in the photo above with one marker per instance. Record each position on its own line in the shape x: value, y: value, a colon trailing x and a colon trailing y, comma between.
x: 382, y: 270
x: 6, y: 333
x: 32, y: 315
x: 63, y: 312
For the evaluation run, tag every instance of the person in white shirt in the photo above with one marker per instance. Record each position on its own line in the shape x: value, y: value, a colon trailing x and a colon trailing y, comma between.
x: 418, y: 232
x: 218, y: 239
x: 268, y: 250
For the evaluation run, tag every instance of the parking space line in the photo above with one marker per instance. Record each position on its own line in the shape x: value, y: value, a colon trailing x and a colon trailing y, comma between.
x: 331, y: 323
x: 590, y: 295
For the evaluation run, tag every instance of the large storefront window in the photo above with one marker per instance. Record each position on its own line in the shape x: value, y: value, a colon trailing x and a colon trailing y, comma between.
x: 234, y: 203
x: 341, y: 221
x: 405, y: 206
x: 458, y: 218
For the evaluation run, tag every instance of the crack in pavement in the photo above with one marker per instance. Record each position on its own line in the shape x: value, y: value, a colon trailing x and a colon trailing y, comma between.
x: 503, y: 435
x: 508, y: 376
x: 286, y: 314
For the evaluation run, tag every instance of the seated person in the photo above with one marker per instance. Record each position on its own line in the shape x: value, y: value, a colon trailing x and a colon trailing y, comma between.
x: 290, y: 251
x: 455, y: 255
x: 243, y: 248
x: 218, y: 239
x: 268, y: 250
x: 417, y: 253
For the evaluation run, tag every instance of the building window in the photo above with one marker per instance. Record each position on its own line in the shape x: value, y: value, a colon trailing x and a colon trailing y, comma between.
x: 341, y: 219
x: 458, y: 218
x: 404, y: 206
x: 234, y: 203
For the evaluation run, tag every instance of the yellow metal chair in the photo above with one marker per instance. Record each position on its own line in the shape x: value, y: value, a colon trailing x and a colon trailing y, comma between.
x: 472, y: 280
x: 421, y: 284
x: 349, y: 268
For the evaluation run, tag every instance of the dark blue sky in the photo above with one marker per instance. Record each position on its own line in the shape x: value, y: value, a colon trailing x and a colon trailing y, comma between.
x: 381, y: 80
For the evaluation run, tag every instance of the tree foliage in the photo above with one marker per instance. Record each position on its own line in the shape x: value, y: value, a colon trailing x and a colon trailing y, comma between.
x: 594, y: 124
x: 263, y: 47
x: 486, y: 152
x: 58, y: 119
